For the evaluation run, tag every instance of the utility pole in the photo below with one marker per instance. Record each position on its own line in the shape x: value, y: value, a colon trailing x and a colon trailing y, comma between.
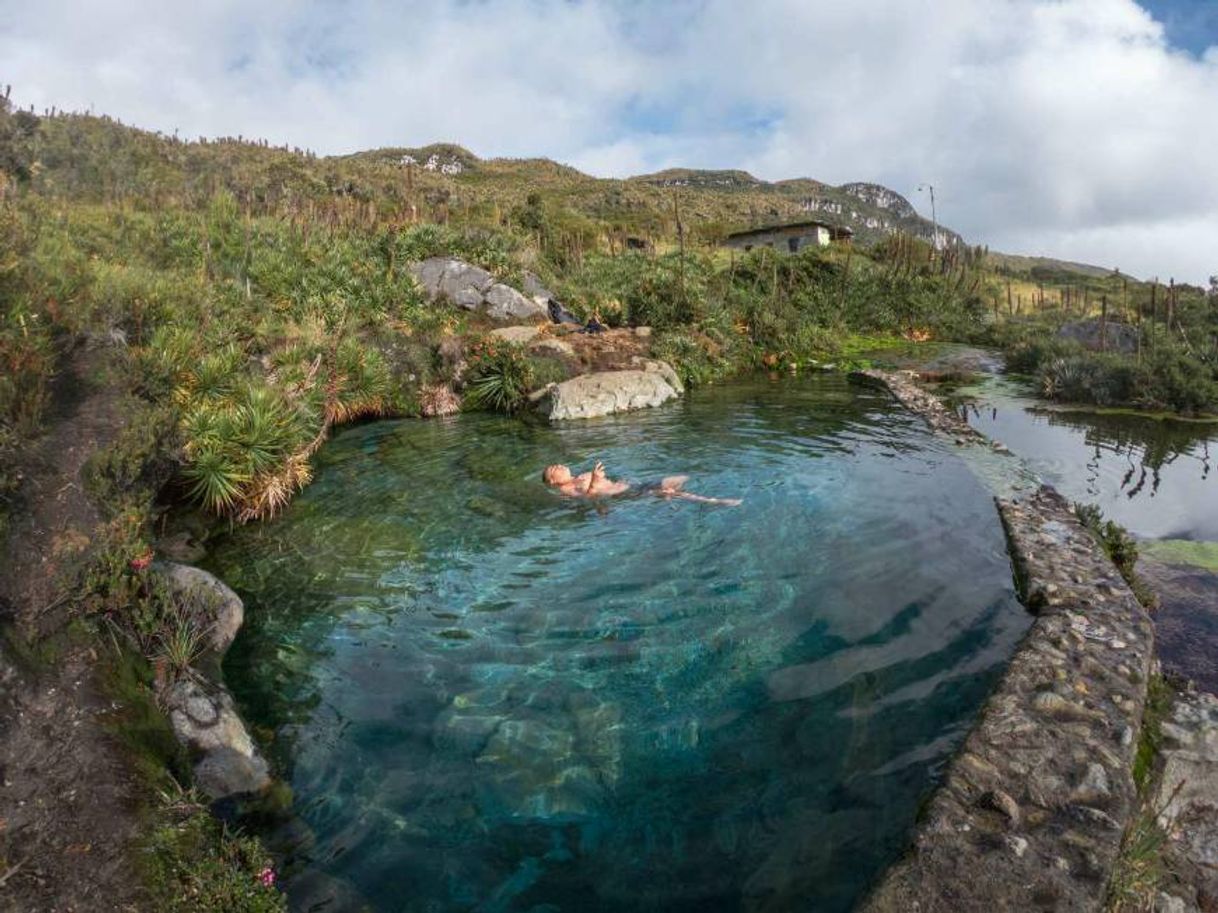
x: 934, y: 216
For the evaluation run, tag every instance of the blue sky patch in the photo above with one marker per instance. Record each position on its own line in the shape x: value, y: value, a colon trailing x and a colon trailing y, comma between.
x: 1191, y: 24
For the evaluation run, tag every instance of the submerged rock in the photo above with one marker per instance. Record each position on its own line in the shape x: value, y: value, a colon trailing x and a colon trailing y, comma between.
x: 607, y: 392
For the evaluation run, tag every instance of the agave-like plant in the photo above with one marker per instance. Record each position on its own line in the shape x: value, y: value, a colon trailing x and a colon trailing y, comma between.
x: 216, y: 478
x: 361, y: 384
x: 264, y: 429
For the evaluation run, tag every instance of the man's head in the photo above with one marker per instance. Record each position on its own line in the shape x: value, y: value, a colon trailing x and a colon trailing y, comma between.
x: 558, y: 474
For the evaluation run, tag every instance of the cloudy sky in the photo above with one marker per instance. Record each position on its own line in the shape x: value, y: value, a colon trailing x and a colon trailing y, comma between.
x: 1085, y: 129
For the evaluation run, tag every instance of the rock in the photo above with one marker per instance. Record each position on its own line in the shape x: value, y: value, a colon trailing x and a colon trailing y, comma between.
x: 661, y: 367
x: 205, y: 720
x: 1018, y: 845
x: 607, y: 392
x: 208, y: 600
x: 1001, y: 802
x: 550, y: 346
x: 520, y: 336
x: 534, y: 289
x: 1052, y: 704
x: 226, y: 772
x: 642, y: 332
x: 1093, y: 787
x: 502, y: 302
x: 1166, y: 903
x: 181, y: 547
x: 474, y: 289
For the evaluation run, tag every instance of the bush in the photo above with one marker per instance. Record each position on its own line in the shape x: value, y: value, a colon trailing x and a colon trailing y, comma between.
x: 500, y: 376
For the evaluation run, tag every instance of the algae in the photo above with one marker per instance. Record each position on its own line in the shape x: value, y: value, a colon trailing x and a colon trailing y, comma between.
x: 1183, y: 551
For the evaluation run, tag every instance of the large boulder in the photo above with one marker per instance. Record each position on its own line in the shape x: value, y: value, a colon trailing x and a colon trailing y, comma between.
x: 217, y: 609
x: 205, y: 720
x: 607, y: 392
x: 474, y: 289
x: 1096, y: 335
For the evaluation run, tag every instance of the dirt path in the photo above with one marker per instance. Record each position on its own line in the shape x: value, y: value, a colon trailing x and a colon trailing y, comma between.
x: 67, y: 798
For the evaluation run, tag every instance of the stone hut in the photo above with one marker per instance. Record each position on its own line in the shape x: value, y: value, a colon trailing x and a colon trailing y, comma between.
x: 788, y: 238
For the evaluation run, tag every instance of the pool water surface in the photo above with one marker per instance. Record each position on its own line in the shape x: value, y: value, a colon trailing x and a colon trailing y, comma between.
x: 486, y: 697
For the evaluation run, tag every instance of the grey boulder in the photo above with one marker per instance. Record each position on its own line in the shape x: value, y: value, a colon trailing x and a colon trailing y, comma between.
x: 205, y: 720
x: 474, y: 289
x: 608, y: 392
x: 208, y: 600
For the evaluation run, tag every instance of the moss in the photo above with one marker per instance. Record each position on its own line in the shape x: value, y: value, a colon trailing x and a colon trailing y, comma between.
x: 1202, y: 555
x: 194, y: 864
x: 1158, y: 703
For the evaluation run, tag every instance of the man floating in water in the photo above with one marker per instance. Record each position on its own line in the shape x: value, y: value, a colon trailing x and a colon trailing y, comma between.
x: 596, y: 484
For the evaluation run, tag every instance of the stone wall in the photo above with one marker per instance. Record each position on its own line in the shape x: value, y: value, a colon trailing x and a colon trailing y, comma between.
x: 1032, y: 808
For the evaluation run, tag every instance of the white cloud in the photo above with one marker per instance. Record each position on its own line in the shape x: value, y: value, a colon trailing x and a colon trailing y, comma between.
x: 1067, y: 127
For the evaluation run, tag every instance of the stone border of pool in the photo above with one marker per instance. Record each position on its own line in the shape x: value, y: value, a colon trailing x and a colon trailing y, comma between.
x: 1034, y: 804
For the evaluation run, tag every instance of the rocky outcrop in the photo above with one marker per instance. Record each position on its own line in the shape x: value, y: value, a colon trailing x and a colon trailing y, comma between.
x: 200, y: 709
x: 652, y: 383
x: 474, y: 289
x: 1187, y: 801
x: 1102, y: 336
x: 206, y: 721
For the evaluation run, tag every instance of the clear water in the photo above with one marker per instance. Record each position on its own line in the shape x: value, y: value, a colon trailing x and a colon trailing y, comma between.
x: 1156, y: 477
x: 488, y: 698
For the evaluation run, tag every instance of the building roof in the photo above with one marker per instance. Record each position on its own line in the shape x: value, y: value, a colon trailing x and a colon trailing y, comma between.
x: 837, y: 230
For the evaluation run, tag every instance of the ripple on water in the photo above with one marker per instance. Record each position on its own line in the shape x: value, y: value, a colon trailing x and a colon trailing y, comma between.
x: 507, y: 701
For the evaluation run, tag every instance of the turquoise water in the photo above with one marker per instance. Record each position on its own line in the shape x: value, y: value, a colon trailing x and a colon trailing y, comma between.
x: 488, y: 698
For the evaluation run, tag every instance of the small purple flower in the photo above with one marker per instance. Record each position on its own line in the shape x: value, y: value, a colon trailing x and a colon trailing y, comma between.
x: 267, y: 877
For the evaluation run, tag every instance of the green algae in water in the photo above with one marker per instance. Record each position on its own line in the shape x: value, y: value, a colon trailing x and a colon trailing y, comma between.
x: 1185, y: 552
x: 658, y: 705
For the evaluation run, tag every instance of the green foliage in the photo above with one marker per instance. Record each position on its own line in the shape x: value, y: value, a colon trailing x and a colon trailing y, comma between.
x: 131, y: 471
x: 500, y: 376
x: 195, y: 864
x: 1119, y: 546
x: 1158, y: 704
x: 1140, y: 867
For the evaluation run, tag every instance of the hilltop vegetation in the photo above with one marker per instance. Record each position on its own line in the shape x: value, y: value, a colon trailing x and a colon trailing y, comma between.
x: 259, y: 295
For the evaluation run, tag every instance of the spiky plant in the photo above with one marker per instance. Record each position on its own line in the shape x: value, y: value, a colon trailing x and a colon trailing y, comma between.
x: 270, y: 493
x: 179, y: 645
x: 362, y: 385
x: 265, y: 429
x: 500, y: 377
x: 212, y: 379
x: 216, y: 478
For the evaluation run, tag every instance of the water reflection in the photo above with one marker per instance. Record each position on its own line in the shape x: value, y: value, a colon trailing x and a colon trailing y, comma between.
x: 1152, y: 476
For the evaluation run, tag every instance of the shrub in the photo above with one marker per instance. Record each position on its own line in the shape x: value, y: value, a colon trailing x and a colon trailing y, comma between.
x: 499, y: 376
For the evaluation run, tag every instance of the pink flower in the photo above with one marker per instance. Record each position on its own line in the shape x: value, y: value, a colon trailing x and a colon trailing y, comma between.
x: 141, y: 563
x: 267, y: 877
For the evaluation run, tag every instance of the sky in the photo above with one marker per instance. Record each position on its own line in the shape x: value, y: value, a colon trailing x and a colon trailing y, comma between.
x: 1081, y: 129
